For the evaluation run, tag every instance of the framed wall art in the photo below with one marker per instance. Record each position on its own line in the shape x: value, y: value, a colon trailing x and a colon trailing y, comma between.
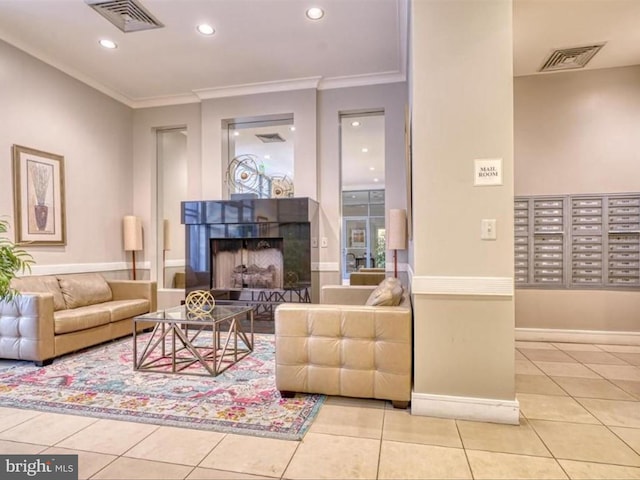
x: 38, y: 187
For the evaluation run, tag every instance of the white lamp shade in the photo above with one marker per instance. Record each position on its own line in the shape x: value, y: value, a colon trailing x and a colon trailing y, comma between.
x: 397, y: 229
x: 166, y: 234
x: 132, y: 232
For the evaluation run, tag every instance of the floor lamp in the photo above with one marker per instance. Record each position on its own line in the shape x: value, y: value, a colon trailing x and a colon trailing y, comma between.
x: 397, y: 234
x: 132, y: 232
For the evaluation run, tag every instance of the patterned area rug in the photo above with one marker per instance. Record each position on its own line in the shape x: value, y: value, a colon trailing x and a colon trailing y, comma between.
x: 100, y: 382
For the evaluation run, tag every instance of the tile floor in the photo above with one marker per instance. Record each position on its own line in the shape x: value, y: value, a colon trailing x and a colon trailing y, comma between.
x: 580, y: 418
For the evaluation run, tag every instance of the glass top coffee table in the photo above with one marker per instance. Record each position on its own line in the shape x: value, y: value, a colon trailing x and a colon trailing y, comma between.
x: 192, y: 344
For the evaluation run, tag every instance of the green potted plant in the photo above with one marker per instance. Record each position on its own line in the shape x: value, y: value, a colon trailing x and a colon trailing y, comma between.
x: 13, y: 260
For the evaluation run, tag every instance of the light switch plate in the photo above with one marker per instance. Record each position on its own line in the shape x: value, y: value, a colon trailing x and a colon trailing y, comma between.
x: 324, y: 243
x: 488, y: 229
x: 314, y: 242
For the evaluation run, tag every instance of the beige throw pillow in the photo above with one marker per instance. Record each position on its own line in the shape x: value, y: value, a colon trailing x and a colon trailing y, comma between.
x: 41, y: 284
x: 84, y: 289
x: 387, y: 294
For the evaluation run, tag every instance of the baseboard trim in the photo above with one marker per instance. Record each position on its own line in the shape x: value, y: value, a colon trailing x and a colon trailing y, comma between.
x: 606, y: 337
x: 466, y: 408
x: 325, y: 267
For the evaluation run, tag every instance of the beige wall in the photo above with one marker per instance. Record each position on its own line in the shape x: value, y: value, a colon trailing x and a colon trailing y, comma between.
x: 300, y: 103
x: 462, y: 90
x: 45, y: 109
x: 578, y: 132
x: 392, y: 98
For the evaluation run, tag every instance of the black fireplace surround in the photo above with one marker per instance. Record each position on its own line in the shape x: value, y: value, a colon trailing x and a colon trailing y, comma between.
x: 212, y: 226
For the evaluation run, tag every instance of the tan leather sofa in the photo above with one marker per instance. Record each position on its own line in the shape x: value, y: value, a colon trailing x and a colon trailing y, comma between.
x: 367, y: 276
x: 343, y: 347
x: 58, y: 314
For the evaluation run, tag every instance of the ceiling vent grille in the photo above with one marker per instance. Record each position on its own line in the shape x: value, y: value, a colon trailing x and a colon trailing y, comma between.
x: 568, y: 58
x: 270, y: 137
x: 127, y: 15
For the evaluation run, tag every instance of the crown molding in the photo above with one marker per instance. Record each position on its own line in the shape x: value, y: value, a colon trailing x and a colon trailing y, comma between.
x: 165, y: 101
x: 361, y: 80
x: 254, y: 88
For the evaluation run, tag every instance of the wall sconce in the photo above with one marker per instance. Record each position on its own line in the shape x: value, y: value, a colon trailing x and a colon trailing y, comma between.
x: 397, y: 235
x: 132, y: 234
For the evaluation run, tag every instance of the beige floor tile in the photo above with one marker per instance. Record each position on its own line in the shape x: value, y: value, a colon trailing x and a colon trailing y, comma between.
x: 549, y: 407
x: 525, y: 367
x: 631, y: 358
x: 620, y: 348
x: 349, y: 421
x: 540, y: 355
x: 589, y: 443
x: 254, y: 455
x: 578, y: 347
x: 561, y: 369
x: 108, y: 436
x: 519, y: 439
x: 629, y: 386
x: 617, y: 372
x: 491, y: 465
x: 403, y: 427
x: 631, y: 436
x: 540, y: 384
x: 602, y: 358
x: 592, y: 388
x: 355, y: 402
x: 10, y: 417
x: 124, y: 468
x: 176, y: 445
x: 89, y: 463
x: 411, y: 461
x: 47, y: 428
x: 588, y: 471
x: 11, y: 448
x: 616, y: 413
x: 539, y: 345
x: 334, y: 457
x: 209, y: 474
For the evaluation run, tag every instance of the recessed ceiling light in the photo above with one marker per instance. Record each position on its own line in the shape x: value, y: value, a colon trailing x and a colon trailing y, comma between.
x: 365, y: 150
x: 267, y: 157
x: 376, y: 179
x: 315, y: 13
x: 205, y: 29
x: 236, y: 134
x: 293, y: 129
x: 372, y: 168
x: 110, y: 44
x: 355, y: 123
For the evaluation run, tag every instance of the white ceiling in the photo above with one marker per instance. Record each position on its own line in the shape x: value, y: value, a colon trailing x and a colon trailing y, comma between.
x: 266, y: 45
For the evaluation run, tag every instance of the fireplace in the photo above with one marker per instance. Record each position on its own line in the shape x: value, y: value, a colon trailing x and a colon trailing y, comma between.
x: 246, y: 263
x: 249, y: 243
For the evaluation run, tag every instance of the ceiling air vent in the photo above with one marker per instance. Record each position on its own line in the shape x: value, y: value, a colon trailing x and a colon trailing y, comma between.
x: 127, y: 15
x: 270, y: 137
x: 568, y: 58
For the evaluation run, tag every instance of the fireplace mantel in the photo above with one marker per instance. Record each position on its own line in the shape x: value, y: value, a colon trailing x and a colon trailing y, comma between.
x: 293, y: 220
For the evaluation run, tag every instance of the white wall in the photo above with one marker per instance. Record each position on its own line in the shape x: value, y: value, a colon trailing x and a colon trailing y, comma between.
x: 45, y: 109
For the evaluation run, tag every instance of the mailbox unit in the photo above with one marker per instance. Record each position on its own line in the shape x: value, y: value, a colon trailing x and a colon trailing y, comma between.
x: 577, y: 241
